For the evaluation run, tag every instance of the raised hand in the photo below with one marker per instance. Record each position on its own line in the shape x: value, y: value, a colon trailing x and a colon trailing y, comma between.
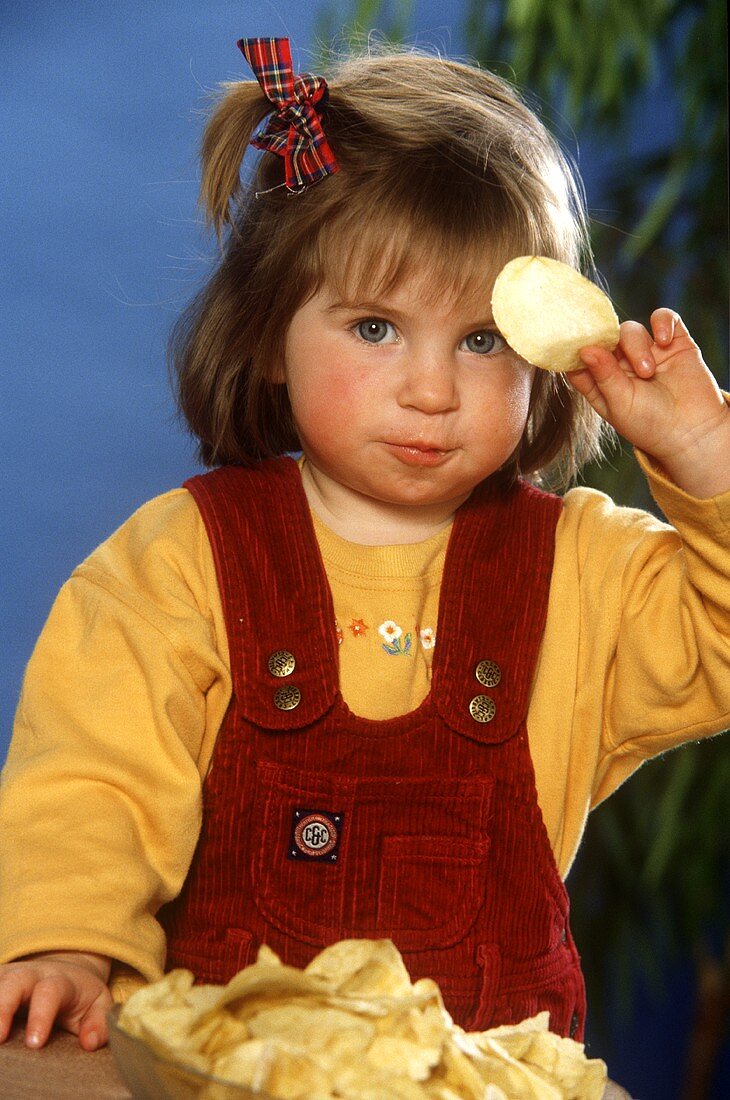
x: 657, y: 392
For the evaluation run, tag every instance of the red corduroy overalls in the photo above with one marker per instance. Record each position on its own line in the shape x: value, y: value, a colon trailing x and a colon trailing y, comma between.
x: 320, y: 825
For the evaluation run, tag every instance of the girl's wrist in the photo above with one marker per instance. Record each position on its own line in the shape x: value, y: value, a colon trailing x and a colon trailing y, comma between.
x: 100, y: 964
x: 702, y: 467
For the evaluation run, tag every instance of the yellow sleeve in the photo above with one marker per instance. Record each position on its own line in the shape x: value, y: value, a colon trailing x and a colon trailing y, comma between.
x: 100, y: 800
x: 669, y: 681
x: 636, y: 652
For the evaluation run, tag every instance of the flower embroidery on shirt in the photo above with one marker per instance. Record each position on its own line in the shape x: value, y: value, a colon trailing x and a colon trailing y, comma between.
x: 338, y: 632
x: 395, y: 641
x: 358, y: 628
x: 428, y: 637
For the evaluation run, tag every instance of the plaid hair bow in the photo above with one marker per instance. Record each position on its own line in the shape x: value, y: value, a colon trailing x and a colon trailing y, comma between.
x: 294, y: 131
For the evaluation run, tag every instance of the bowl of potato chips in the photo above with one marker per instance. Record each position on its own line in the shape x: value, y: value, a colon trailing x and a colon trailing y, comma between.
x: 350, y: 1026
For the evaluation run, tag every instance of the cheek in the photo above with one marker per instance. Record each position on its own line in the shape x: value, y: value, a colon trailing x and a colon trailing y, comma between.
x: 324, y: 402
x: 518, y: 400
x: 515, y: 402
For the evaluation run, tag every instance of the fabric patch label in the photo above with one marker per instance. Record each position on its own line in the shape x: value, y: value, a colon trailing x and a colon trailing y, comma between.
x: 315, y: 835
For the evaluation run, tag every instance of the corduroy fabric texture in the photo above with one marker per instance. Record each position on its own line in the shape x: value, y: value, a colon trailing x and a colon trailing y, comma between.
x: 435, y: 835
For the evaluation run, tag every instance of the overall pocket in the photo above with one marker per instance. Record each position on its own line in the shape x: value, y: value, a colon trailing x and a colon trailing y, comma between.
x: 431, y: 889
x: 410, y: 858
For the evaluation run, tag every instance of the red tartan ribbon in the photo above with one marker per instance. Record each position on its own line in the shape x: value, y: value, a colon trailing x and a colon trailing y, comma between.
x: 294, y: 131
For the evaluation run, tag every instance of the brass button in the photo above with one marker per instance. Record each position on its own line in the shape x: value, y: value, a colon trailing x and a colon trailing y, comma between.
x: 282, y: 663
x: 482, y: 708
x: 287, y: 698
x: 488, y: 673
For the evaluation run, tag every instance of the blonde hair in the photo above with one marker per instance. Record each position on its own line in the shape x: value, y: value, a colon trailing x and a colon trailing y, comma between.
x: 443, y: 172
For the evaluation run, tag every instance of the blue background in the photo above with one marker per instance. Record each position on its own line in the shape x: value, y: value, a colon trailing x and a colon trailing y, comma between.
x: 102, y: 246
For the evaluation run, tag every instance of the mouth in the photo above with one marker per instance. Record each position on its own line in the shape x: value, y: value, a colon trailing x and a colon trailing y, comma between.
x: 418, y: 454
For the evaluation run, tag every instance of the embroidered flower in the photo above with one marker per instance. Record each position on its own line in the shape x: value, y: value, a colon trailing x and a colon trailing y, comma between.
x: 390, y: 631
x: 428, y: 637
x: 338, y: 632
x: 395, y: 641
x: 359, y: 628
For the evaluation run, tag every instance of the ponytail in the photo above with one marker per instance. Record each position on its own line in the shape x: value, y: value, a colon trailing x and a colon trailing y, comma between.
x: 225, y: 142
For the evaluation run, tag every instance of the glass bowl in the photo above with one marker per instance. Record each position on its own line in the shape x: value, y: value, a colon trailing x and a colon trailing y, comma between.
x: 150, y: 1076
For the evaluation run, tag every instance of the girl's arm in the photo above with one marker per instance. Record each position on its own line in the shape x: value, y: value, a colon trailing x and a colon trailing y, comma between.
x: 100, y: 794
x: 657, y: 392
x: 64, y: 987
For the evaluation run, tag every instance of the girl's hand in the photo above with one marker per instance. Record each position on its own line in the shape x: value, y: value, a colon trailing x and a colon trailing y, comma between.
x: 67, y: 987
x: 657, y: 392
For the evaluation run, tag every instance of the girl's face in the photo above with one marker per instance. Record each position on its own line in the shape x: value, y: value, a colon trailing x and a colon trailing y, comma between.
x: 403, y: 404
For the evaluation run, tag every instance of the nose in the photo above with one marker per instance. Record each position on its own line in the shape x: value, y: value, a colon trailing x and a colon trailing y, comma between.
x: 428, y: 383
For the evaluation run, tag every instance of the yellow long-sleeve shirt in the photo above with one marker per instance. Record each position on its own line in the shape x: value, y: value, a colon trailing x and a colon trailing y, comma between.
x: 100, y: 802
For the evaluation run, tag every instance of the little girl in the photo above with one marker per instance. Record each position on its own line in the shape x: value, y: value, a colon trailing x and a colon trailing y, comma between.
x: 373, y: 690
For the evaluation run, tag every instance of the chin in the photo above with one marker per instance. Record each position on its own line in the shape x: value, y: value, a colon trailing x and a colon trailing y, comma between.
x: 425, y: 496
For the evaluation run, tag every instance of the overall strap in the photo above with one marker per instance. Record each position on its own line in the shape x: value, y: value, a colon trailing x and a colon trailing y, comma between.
x: 274, y: 591
x: 493, y: 607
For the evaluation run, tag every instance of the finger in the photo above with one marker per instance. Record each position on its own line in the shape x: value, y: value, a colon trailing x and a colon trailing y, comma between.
x: 7, y: 1015
x: 606, y: 374
x: 6, y: 1022
x: 45, y: 1002
x: 16, y: 989
x: 602, y: 365
x: 665, y: 323
x: 635, y: 344
x: 94, y: 1031
x: 584, y: 382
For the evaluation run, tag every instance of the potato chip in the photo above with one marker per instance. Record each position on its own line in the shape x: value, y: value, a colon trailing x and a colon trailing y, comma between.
x: 461, y: 1072
x: 370, y: 967
x: 291, y: 1075
x: 547, y: 311
x: 247, y: 1061
x: 365, y: 1081
x: 311, y: 1026
x: 403, y: 1056
x: 215, y: 1032
x: 552, y: 1058
x: 162, y: 1014
x: 350, y: 1026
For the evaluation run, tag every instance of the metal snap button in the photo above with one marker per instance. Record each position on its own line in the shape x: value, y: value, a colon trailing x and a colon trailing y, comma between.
x: 287, y: 698
x: 488, y: 673
x: 482, y: 708
x: 282, y: 663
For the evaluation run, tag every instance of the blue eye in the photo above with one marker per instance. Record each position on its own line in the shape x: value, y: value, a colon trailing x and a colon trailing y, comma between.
x: 483, y: 342
x: 374, y: 331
